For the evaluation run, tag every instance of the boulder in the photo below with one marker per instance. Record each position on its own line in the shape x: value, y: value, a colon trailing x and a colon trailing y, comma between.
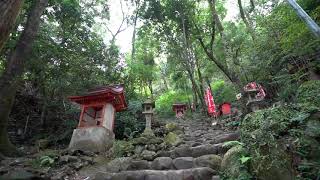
x: 231, y: 165
x: 204, y: 150
x: 215, y: 178
x: 171, y: 139
x: 170, y: 127
x: 183, y: 162
x: 139, y: 165
x: 184, y: 174
x: 182, y: 151
x: 227, y: 137
x: 148, y: 155
x: 212, y: 161
x: 19, y: 174
x: 119, y: 164
x: 162, y: 163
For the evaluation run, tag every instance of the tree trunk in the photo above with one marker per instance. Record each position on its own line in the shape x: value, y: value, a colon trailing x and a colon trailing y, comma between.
x: 150, y: 88
x: 246, y: 21
x: 13, y: 72
x: 305, y: 17
x: 134, y: 30
x: 9, y: 10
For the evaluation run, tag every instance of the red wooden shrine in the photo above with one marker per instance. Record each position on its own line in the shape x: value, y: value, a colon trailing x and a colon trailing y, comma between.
x: 99, y: 105
x: 179, y: 109
x: 225, y: 108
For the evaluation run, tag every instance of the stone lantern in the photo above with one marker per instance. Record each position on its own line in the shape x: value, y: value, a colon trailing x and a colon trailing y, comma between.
x: 148, y: 107
x: 96, y: 123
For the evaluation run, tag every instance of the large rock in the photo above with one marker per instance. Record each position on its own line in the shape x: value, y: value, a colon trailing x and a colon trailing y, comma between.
x: 139, y: 165
x: 148, y: 155
x: 231, y: 165
x: 212, y: 161
x: 19, y: 174
x: 172, y: 139
x: 184, y: 174
x: 147, y: 138
x: 183, y: 162
x: 95, y: 139
x: 181, y: 151
x: 204, y: 150
x: 162, y: 163
x: 170, y: 127
x: 227, y: 137
x: 119, y: 164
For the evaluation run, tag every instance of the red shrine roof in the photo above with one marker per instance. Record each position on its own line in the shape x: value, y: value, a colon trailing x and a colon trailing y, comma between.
x: 178, y: 106
x: 112, y: 94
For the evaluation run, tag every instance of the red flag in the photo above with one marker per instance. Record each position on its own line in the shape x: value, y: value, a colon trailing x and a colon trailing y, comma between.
x: 210, y: 102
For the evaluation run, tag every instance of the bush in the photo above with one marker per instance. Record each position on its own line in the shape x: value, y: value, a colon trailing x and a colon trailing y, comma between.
x: 128, y: 123
x: 223, y: 92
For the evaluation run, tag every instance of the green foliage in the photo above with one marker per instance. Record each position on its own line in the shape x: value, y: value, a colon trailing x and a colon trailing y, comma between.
x: 165, y: 101
x: 232, y: 167
x: 223, y: 92
x: 266, y: 131
x: 46, y: 161
x: 130, y: 122
x: 244, y: 159
x: 309, y: 93
x: 122, y: 148
x: 46, y: 158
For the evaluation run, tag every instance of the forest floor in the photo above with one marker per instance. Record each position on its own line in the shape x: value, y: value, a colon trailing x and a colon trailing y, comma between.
x: 196, y: 152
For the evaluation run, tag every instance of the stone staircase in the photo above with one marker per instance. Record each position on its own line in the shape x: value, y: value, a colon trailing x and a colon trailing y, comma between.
x: 197, y: 157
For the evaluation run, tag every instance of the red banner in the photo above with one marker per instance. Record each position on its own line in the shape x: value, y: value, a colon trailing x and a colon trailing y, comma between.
x: 210, y: 102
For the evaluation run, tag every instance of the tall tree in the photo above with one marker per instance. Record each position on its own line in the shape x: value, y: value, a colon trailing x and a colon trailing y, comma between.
x: 305, y: 17
x: 13, y: 71
x: 9, y: 10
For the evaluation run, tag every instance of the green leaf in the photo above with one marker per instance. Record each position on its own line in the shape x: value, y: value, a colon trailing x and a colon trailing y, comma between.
x: 244, y: 159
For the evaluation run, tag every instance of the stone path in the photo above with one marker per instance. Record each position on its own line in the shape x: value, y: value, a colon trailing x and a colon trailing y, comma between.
x: 197, y: 156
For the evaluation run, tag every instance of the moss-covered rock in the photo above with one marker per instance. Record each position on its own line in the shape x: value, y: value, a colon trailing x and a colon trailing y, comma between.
x: 170, y: 127
x: 211, y: 160
x: 122, y: 148
x: 172, y: 139
x: 269, y: 133
x: 231, y: 166
x: 309, y: 93
x: 146, y: 138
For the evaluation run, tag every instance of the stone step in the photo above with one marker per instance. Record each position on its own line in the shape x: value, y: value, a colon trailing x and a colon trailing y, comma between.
x: 164, y: 163
x: 197, y: 151
x: 203, y: 173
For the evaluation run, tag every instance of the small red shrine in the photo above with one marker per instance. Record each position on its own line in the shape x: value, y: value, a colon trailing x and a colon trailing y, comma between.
x: 99, y: 105
x: 225, y: 108
x: 96, y: 123
x: 179, y: 109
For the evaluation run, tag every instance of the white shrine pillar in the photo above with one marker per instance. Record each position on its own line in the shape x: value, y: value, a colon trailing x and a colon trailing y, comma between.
x: 108, y: 116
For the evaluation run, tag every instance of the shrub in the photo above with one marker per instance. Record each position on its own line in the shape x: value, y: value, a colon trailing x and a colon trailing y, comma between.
x: 223, y: 92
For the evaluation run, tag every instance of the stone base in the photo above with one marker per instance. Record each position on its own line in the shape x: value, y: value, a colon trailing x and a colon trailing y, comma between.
x: 95, y: 139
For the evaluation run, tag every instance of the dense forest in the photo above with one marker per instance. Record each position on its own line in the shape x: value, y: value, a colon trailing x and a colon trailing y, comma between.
x: 53, y: 49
